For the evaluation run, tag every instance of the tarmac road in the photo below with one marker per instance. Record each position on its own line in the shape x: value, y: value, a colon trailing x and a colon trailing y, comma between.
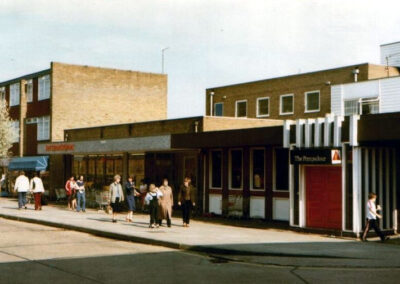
x: 31, y: 253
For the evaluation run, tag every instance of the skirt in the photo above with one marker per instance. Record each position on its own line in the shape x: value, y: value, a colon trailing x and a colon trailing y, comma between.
x: 131, y: 202
x: 116, y: 206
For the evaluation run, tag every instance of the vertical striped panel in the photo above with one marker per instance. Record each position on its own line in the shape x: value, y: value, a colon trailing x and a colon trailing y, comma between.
x: 380, y: 191
x: 394, y: 186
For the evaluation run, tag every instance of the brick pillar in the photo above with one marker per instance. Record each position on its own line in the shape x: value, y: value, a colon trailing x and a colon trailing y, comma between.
x: 22, y: 116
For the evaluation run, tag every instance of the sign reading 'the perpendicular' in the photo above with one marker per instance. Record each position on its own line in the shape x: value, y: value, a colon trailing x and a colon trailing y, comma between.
x: 315, y: 156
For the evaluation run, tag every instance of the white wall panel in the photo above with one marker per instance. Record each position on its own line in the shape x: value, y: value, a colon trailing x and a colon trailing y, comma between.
x: 257, y: 207
x: 280, y: 209
x: 215, y: 205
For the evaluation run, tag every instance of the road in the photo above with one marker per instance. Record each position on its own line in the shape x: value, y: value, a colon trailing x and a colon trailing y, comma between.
x: 31, y: 253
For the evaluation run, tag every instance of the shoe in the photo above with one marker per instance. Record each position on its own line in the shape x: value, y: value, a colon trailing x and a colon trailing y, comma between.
x: 26, y: 207
x: 385, y: 239
x: 151, y: 226
x: 187, y: 226
x: 83, y: 211
x: 364, y: 240
x: 184, y: 224
x: 157, y: 226
x: 114, y: 221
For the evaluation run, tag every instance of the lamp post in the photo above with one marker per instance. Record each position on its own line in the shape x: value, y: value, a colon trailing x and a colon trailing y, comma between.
x: 162, y: 58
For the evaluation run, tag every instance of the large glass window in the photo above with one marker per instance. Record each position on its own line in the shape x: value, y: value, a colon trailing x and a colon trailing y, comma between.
x: 44, y: 87
x: 43, y: 128
x: 241, y: 108
x: 236, y: 169
x: 281, y: 169
x: 286, y: 106
x: 262, y: 107
x: 312, y: 101
x: 29, y: 91
x: 219, y: 109
x: 14, y: 94
x: 361, y: 106
x: 258, y: 168
x: 216, y: 169
x: 16, y: 130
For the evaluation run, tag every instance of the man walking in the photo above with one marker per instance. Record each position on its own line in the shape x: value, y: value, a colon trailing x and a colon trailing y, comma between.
x: 22, y: 187
x: 81, y: 195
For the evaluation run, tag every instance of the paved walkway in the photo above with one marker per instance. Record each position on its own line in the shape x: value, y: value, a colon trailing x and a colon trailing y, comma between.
x: 280, y: 246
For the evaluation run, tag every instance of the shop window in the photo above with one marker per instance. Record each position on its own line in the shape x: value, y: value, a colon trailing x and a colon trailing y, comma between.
x: 219, y: 109
x: 312, y: 101
x: 258, y: 169
x: 281, y: 169
x: 262, y: 107
x: 44, y: 88
x: 241, y: 108
x: 236, y: 169
x: 286, y: 104
x: 216, y: 169
x: 43, y: 128
x: 16, y: 130
x: 136, y: 167
x: 29, y: 91
x: 14, y: 94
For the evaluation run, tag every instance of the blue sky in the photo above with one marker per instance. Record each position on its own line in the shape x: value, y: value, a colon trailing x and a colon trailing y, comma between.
x: 211, y: 43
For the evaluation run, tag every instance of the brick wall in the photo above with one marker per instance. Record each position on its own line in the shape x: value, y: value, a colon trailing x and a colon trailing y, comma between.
x: 295, y: 84
x: 89, y: 96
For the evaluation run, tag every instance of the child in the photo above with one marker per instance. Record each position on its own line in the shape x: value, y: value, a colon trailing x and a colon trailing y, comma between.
x: 371, y: 218
x: 152, y: 198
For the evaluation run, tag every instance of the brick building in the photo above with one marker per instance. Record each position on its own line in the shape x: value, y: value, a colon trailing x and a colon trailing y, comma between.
x: 45, y: 103
x: 305, y: 95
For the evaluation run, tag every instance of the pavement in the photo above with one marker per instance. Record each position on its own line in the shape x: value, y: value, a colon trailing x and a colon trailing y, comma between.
x: 261, y: 246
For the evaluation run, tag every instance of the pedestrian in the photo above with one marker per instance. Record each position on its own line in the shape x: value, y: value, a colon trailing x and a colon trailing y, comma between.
x: 116, y: 196
x: 187, y: 199
x: 80, y: 194
x: 70, y: 190
x: 37, y: 188
x: 131, y: 194
x: 166, y: 203
x: 152, y: 199
x: 22, y: 187
x: 143, y: 188
x: 371, y: 221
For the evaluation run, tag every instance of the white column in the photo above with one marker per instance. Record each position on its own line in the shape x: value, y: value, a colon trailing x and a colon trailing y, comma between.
x: 380, y: 195
x: 327, y: 130
x: 357, y: 216
x: 302, y: 197
x: 354, y: 130
x: 373, y: 170
x: 308, y: 133
x: 386, y: 208
x: 291, y: 194
x: 337, y: 131
x: 317, y: 132
x: 299, y: 133
x: 286, y: 133
x: 344, y: 173
x: 366, y: 175
x: 394, y: 190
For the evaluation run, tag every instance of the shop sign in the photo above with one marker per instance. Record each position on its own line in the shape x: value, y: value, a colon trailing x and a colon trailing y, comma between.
x: 59, y: 147
x: 315, y: 157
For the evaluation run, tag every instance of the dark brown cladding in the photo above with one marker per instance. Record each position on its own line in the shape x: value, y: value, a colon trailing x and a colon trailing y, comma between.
x: 37, y: 108
x: 265, y: 136
x: 379, y: 129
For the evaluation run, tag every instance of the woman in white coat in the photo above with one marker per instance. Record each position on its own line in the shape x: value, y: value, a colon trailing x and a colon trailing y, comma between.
x: 36, y: 186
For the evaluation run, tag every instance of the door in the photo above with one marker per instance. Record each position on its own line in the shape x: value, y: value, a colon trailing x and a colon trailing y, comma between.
x: 324, y: 197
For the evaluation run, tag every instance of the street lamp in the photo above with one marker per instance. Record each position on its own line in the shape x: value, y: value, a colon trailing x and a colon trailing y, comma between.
x: 162, y: 58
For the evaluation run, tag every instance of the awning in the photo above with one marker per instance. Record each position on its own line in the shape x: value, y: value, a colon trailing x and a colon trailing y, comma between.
x: 38, y: 163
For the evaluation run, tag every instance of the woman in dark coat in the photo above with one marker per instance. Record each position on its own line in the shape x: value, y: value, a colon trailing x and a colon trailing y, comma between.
x: 186, y: 199
x: 131, y: 193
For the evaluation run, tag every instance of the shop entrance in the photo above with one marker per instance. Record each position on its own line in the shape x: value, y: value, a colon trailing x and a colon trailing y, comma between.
x: 324, y: 197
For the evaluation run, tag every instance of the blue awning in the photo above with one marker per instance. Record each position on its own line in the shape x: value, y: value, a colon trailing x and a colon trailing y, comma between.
x: 38, y: 163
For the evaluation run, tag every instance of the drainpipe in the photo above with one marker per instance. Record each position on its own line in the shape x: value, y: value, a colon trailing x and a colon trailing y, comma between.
x: 211, y: 103
x: 196, y: 126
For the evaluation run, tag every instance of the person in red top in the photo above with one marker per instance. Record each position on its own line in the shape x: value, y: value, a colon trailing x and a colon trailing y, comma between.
x: 70, y: 191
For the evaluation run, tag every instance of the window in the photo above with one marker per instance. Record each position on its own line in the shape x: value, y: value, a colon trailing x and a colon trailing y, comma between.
x: 44, y: 88
x: 236, y: 169
x: 241, y: 108
x: 312, y: 101
x: 219, y: 109
x: 258, y: 169
x: 2, y: 93
x: 262, y: 107
x: 281, y: 167
x: 14, y: 94
x: 16, y: 129
x: 286, y: 106
x: 29, y: 91
x: 361, y: 106
x: 216, y: 169
x: 43, y: 128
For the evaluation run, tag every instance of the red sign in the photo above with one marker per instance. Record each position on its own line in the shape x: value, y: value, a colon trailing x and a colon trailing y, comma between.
x: 60, y: 147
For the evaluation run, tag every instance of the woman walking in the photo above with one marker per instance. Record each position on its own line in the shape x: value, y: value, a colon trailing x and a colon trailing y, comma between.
x: 22, y: 187
x: 372, y: 214
x: 116, y: 196
x: 186, y: 199
x: 131, y: 193
x: 166, y: 203
x: 80, y: 193
x: 152, y: 199
x: 36, y: 186
x: 70, y: 187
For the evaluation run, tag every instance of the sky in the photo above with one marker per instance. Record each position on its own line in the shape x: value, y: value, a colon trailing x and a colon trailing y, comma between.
x: 211, y: 42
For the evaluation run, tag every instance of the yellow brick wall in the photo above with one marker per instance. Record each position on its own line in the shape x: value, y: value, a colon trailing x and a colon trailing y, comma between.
x: 296, y: 85
x: 85, y: 96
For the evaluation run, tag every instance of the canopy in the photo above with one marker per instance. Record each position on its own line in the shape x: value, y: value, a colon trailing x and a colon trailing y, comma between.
x: 38, y: 163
